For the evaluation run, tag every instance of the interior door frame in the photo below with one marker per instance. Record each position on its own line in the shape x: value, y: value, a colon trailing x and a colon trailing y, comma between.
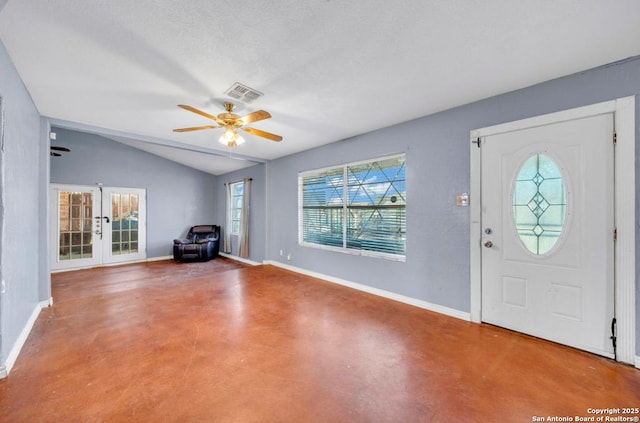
x: 624, y: 215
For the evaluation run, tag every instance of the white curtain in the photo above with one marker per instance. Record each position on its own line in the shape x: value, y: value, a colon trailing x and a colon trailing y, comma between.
x: 243, y: 243
x: 226, y: 242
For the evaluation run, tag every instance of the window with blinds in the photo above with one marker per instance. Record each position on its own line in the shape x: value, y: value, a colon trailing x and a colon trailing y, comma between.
x: 357, y: 208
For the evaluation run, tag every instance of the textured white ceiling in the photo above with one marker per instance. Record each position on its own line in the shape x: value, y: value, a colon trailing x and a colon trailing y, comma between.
x: 329, y: 69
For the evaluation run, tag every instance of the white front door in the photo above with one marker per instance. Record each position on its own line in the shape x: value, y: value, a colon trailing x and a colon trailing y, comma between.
x: 91, y: 226
x: 547, y: 221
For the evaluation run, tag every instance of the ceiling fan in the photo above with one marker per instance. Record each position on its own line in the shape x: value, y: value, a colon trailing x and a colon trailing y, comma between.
x: 231, y: 123
x: 54, y: 151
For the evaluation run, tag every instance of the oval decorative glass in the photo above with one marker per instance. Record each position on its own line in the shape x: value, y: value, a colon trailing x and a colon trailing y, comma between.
x: 539, y: 204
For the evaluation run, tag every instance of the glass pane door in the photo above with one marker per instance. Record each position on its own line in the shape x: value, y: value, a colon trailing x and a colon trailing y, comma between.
x: 75, y: 230
x: 127, y: 224
x: 91, y: 226
x: 124, y: 225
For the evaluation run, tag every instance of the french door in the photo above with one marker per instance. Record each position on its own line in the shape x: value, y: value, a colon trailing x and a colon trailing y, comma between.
x: 93, y: 226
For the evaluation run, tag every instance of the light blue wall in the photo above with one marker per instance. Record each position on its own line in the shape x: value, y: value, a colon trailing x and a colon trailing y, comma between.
x: 22, y: 158
x: 258, y: 210
x: 437, y: 268
x: 177, y: 196
x: 437, y: 259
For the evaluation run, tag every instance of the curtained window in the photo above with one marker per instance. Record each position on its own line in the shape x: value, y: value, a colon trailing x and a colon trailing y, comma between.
x: 237, y: 219
x: 237, y: 191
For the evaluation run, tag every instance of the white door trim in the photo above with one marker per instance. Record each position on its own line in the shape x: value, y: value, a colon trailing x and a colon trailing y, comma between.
x: 625, y: 260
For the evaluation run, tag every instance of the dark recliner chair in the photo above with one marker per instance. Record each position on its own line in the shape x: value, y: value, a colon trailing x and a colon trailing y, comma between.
x: 202, y: 244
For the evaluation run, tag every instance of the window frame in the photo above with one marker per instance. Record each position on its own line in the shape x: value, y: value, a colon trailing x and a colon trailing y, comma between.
x: 345, y: 211
x: 236, y: 222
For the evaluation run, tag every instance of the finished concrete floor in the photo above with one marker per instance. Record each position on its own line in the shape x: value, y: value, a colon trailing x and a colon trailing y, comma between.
x: 225, y: 342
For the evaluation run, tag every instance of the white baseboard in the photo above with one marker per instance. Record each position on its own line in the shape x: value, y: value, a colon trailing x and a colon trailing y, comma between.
x: 376, y: 291
x: 144, y: 260
x: 240, y: 259
x: 637, y: 363
x: 159, y: 258
x: 5, y: 369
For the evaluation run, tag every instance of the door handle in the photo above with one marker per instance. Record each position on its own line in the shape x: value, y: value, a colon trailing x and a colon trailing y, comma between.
x: 488, y: 244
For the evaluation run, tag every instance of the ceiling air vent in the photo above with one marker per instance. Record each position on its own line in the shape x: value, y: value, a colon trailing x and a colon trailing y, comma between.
x: 243, y: 93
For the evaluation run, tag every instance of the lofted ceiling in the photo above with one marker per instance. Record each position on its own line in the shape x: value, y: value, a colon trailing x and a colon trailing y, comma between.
x: 329, y: 69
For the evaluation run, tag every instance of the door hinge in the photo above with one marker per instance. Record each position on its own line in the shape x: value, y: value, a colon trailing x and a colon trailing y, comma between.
x: 477, y: 141
x: 615, y: 137
x: 615, y: 234
x: 614, y: 337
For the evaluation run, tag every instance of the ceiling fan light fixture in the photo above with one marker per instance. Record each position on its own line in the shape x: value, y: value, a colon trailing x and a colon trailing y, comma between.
x: 231, y: 138
x: 231, y: 122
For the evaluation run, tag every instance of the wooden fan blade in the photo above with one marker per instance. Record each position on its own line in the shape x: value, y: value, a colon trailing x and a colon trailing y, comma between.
x: 195, y: 128
x: 65, y: 149
x: 263, y: 134
x: 51, y: 153
x: 199, y: 112
x: 255, y: 116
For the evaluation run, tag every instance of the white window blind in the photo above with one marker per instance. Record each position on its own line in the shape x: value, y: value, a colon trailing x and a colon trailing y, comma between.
x: 359, y: 207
